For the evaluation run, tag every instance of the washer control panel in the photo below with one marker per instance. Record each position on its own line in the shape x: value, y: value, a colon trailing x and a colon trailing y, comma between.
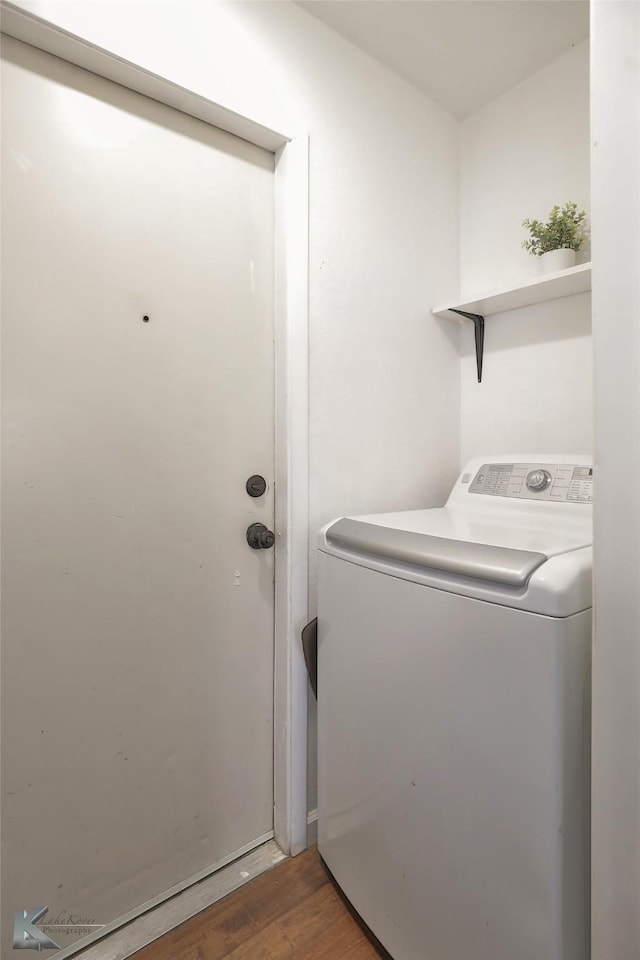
x: 535, y: 481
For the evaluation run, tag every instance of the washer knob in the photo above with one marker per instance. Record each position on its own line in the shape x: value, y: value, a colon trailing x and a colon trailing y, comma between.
x: 538, y: 480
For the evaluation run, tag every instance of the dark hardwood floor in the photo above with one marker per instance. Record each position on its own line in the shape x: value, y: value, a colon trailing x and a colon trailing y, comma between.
x: 292, y: 912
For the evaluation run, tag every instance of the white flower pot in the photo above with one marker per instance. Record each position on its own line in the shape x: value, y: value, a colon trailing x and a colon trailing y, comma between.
x: 556, y: 260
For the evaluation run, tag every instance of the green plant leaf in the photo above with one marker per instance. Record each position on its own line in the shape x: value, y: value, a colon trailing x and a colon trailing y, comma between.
x: 564, y: 228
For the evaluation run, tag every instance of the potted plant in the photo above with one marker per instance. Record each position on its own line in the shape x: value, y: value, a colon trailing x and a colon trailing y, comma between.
x: 555, y: 243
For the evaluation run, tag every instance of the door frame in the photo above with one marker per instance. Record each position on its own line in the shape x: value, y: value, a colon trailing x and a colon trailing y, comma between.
x: 291, y: 152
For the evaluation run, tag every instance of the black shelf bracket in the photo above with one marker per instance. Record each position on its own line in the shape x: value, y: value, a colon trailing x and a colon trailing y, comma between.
x: 478, y: 323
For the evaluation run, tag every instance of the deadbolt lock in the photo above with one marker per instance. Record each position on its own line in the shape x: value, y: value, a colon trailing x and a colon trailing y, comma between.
x: 256, y: 485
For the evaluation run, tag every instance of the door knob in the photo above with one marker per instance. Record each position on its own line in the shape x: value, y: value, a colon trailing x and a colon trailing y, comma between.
x: 259, y: 537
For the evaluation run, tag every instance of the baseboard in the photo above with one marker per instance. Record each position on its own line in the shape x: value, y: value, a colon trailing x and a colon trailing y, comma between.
x: 312, y: 828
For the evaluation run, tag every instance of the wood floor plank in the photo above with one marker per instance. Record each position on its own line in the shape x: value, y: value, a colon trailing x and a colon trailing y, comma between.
x: 292, y: 912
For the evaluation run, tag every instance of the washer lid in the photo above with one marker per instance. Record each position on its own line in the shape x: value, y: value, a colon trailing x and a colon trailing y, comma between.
x: 486, y: 545
x: 505, y: 565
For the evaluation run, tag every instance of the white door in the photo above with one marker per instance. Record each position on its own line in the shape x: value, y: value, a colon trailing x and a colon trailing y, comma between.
x: 137, y: 634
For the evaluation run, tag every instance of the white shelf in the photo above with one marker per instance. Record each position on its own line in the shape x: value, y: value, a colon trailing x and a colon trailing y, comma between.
x: 550, y: 286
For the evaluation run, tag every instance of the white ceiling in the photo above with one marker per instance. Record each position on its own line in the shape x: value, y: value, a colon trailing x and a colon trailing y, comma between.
x: 461, y: 53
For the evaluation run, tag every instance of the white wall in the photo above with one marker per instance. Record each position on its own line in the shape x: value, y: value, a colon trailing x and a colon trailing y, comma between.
x: 519, y: 155
x: 523, y: 152
x: 384, y: 399
x: 616, y: 318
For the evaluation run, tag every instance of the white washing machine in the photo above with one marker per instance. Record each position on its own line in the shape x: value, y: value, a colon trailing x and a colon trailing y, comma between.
x: 454, y: 652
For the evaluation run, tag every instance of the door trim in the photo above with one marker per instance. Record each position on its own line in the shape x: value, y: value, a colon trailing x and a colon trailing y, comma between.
x: 291, y: 387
